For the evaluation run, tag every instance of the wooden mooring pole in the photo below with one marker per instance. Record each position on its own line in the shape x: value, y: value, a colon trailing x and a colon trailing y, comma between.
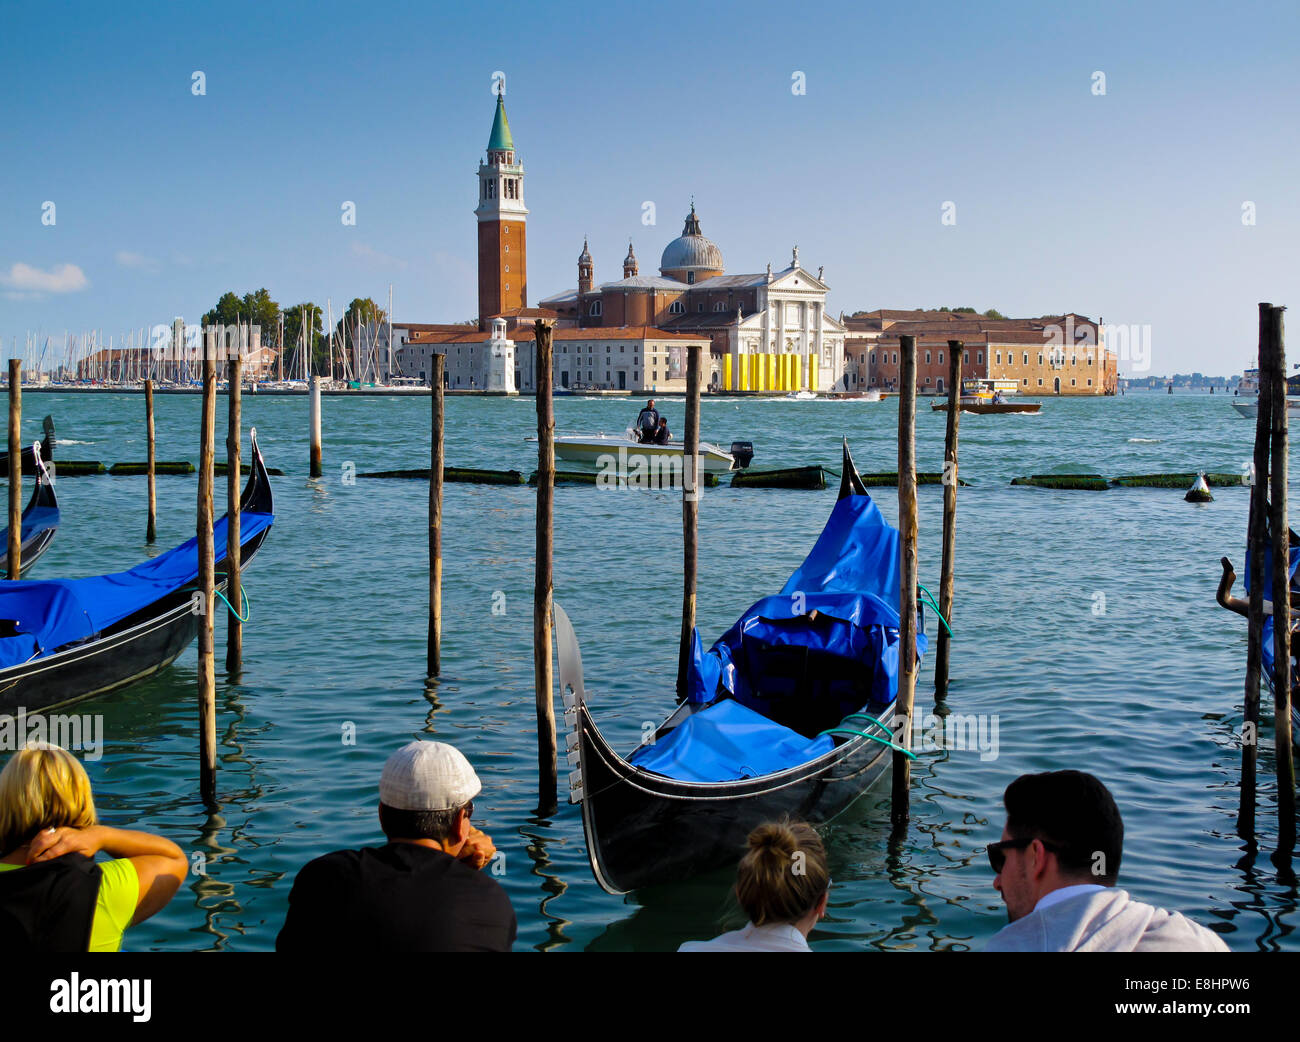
x: 151, y: 529
x: 690, y: 516
x: 207, y: 583
x: 946, y: 574
x: 435, y: 516
x: 1256, y: 541
x: 15, y: 548
x: 315, y: 427
x: 234, y: 587
x: 900, y: 809
x: 1278, y: 525
x: 543, y: 588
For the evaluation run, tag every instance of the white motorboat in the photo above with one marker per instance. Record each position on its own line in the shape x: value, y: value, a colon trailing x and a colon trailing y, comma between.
x: 1251, y: 408
x: 626, y: 453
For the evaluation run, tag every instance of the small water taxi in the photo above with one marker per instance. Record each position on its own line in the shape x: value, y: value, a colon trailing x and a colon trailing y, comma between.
x: 980, y: 396
x: 625, y: 450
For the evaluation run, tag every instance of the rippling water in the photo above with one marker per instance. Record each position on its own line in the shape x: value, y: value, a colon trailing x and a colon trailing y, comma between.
x: 1085, y: 621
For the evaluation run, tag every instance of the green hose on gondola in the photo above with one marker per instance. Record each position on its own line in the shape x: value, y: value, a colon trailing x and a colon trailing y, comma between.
x: 930, y: 601
x: 874, y: 737
x: 243, y: 599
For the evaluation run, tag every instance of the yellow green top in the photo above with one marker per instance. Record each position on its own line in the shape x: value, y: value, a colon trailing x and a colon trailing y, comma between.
x: 119, y: 893
x: 501, y: 139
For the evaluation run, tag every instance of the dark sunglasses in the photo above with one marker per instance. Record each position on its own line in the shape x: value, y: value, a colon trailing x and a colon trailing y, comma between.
x: 998, y: 851
x: 469, y: 810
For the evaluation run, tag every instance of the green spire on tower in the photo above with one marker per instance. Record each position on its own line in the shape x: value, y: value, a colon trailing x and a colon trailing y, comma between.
x: 501, y: 139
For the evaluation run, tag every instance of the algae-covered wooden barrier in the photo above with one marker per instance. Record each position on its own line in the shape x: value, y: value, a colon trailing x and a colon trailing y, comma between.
x: 1099, y: 483
x: 469, y: 475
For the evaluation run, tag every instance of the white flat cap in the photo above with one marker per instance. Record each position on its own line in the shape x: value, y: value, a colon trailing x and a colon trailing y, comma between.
x: 428, y: 776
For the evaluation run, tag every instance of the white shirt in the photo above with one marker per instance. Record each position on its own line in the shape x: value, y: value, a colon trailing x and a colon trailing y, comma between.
x: 1065, y: 893
x: 774, y: 937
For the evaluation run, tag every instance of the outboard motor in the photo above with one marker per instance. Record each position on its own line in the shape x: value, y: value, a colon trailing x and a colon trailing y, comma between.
x: 743, y: 452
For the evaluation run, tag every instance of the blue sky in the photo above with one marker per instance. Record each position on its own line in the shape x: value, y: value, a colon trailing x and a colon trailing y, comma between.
x: 1125, y: 206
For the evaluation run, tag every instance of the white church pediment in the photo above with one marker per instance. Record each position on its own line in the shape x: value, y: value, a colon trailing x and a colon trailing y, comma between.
x: 798, y: 281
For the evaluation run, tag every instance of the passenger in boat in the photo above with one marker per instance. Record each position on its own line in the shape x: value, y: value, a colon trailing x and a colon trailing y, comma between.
x: 997, y: 397
x: 53, y: 895
x: 783, y: 885
x: 1056, y: 867
x: 662, y: 434
x: 423, y: 891
x: 647, y: 422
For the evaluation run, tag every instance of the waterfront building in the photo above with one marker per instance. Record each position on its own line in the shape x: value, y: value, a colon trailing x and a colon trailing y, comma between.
x: 1053, y: 354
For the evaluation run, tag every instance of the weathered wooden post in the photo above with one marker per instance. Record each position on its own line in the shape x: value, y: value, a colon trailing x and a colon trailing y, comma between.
x: 946, y: 574
x: 234, y: 433
x: 1281, y: 579
x: 690, y: 516
x: 207, y: 584
x: 435, y: 517
x: 315, y: 426
x: 900, y: 810
x: 15, y: 548
x: 151, y: 529
x: 1256, y: 542
x: 543, y: 588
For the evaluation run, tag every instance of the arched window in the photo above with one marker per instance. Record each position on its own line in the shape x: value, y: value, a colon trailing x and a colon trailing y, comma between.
x: 718, y: 305
x: 677, y: 308
x: 596, y: 310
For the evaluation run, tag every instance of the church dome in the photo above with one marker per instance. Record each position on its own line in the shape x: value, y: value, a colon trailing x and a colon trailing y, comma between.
x: 691, y: 251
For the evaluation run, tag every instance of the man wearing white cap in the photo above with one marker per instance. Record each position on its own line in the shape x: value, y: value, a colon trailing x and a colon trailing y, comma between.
x: 422, y: 891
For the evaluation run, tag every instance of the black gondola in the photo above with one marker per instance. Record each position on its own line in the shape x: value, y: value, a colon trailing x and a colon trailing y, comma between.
x: 28, y: 455
x: 811, y: 684
x: 40, y: 522
x: 64, y: 640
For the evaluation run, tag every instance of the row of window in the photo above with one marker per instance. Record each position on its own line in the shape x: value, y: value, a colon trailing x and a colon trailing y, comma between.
x: 939, y: 384
x: 1011, y: 358
x: 979, y: 358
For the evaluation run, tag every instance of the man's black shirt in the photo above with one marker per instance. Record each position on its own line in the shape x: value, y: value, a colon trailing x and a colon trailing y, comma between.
x: 398, y: 897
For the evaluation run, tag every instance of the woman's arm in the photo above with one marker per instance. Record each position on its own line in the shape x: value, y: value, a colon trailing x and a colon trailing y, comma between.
x: 159, y: 863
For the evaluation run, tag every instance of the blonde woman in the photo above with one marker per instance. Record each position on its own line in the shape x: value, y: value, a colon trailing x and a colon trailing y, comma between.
x: 783, y: 885
x: 46, y: 812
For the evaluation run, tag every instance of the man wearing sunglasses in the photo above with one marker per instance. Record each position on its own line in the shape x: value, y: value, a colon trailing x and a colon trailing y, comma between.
x: 424, y: 890
x: 1056, y: 866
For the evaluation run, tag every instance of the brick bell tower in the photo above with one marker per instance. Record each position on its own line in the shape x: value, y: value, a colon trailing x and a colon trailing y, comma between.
x: 502, y: 238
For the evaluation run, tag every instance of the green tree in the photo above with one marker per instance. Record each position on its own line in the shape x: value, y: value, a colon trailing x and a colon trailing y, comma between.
x: 255, y: 307
x: 361, y: 323
x: 297, y: 318
x: 994, y: 313
x: 258, y: 308
x: 226, y: 313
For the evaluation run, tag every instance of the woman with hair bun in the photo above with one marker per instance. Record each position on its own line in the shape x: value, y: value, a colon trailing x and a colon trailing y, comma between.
x: 782, y: 884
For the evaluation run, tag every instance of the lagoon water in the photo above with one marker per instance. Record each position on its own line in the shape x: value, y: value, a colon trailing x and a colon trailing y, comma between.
x: 1085, y: 627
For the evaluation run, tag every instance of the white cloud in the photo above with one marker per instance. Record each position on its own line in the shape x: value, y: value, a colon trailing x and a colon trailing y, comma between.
x: 374, y: 256
x: 135, y: 261
x: 62, y: 278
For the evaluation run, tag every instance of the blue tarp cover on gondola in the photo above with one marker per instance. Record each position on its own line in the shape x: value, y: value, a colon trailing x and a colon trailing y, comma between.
x: 726, y: 742
x: 828, y: 641
x: 852, y: 577
x: 39, y: 616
